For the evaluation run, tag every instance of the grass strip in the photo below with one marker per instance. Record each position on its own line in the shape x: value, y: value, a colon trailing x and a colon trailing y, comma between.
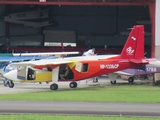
x: 67, y: 117
x: 121, y: 93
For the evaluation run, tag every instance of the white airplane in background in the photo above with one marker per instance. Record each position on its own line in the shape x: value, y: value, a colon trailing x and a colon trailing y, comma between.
x: 34, y: 18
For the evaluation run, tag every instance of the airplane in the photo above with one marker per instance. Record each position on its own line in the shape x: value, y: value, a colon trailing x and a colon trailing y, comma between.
x: 34, y: 18
x: 143, y: 72
x: 84, y: 67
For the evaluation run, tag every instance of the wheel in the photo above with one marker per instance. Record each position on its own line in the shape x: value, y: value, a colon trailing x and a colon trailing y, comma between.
x: 73, y: 85
x: 54, y: 86
x: 95, y: 79
x: 130, y: 79
x: 113, y: 82
x: 11, y: 84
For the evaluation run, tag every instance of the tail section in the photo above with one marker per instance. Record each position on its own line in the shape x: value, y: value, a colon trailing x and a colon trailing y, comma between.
x: 134, y: 47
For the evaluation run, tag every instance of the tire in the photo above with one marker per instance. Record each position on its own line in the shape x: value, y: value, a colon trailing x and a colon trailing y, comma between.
x: 130, y: 79
x: 10, y: 84
x: 73, y: 85
x: 54, y: 86
x: 113, y: 82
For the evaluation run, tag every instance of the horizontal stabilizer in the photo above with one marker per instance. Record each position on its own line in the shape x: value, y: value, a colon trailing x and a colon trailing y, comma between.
x: 137, y: 61
x: 155, y: 63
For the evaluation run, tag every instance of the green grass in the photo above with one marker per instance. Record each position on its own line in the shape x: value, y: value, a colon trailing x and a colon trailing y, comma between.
x: 121, y: 93
x: 57, y: 117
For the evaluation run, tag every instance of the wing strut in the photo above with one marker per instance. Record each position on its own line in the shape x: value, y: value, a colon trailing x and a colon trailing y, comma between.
x: 55, y: 72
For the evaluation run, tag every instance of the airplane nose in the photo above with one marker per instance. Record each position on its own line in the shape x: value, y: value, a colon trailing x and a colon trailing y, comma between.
x: 11, y: 75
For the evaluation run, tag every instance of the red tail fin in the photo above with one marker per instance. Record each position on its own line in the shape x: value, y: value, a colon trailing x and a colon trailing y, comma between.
x: 134, y: 47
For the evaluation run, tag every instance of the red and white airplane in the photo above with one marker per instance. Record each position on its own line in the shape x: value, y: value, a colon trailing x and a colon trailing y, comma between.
x: 83, y: 67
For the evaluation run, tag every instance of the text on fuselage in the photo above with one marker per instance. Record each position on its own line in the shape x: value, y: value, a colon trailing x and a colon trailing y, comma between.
x: 109, y: 66
x: 151, y: 69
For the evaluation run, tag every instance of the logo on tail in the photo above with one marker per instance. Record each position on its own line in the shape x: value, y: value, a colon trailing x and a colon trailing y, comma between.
x: 129, y: 51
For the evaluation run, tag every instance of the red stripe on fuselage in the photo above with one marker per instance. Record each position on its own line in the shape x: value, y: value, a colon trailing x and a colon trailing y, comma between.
x: 95, y: 69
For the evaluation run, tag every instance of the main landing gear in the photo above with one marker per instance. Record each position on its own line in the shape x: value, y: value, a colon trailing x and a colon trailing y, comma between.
x: 54, y: 86
x: 73, y: 85
x: 130, y: 79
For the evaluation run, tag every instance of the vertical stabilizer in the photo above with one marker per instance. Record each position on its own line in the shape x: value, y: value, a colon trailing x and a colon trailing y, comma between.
x: 134, y: 47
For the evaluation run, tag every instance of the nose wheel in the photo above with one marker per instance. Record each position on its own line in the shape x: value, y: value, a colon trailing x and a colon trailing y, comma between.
x: 11, y: 84
x: 73, y: 85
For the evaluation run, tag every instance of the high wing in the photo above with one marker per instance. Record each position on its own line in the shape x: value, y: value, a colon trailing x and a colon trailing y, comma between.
x: 43, y: 62
x: 62, y: 60
x: 5, y: 59
x: 45, y: 53
x: 32, y: 56
x: 20, y: 58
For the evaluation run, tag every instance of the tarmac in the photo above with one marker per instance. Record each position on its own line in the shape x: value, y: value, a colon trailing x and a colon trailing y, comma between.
x: 34, y: 87
x: 81, y: 108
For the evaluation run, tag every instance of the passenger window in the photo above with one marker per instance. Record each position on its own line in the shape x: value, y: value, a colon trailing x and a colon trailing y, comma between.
x: 85, y: 67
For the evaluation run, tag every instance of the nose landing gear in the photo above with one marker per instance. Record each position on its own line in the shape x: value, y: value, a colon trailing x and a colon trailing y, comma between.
x: 10, y: 84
